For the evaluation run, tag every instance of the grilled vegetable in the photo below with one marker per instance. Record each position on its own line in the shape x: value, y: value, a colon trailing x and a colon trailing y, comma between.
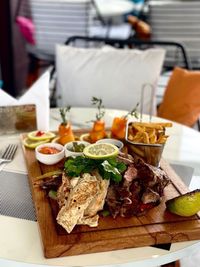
x: 98, y: 129
x: 65, y: 130
x: 118, y: 128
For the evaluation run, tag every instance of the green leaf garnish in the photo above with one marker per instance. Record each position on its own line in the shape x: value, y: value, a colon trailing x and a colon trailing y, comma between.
x: 52, y: 194
x: 121, y: 167
x: 112, y: 171
x: 105, y: 213
x: 77, y: 147
x: 133, y: 112
x: 76, y: 166
x: 108, y: 169
x: 100, y: 108
x: 63, y: 114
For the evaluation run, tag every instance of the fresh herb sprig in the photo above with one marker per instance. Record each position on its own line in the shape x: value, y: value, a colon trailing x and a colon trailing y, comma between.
x: 63, y: 114
x: 100, y: 107
x: 108, y: 169
x: 133, y: 112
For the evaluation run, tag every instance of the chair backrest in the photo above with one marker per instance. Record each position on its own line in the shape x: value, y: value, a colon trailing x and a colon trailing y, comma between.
x: 115, y: 75
x: 178, y: 21
x: 55, y: 21
x: 141, y: 44
x: 178, y: 49
x: 123, y: 93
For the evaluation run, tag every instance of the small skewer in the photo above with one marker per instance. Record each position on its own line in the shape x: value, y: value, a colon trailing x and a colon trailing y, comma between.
x: 142, y: 102
x: 152, y: 88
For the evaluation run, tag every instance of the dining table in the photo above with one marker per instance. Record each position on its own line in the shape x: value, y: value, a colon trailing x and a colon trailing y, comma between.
x: 20, y: 243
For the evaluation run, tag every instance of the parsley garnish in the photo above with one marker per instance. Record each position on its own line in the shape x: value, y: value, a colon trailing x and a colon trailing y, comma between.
x: 100, y: 107
x: 108, y: 169
x: 63, y: 114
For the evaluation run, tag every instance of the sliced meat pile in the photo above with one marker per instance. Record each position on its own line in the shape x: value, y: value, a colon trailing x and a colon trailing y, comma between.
x: 140, y: 190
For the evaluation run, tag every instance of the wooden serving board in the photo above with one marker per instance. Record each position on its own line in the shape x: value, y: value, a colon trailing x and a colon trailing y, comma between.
x: 158, y: 226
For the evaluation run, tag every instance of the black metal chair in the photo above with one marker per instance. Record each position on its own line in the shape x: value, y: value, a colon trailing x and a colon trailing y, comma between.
x: 178, y: 21
x: 181, y: 53
x: 181, y: 57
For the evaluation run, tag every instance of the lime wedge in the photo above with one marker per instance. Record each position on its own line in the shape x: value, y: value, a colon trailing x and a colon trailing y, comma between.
x: 33, y: 144
x: 100, y: 151
x: 185, y: 205
x: 39, y: 135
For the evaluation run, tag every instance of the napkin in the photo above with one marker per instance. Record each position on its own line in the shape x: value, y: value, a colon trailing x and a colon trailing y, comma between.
x: 37, y: 94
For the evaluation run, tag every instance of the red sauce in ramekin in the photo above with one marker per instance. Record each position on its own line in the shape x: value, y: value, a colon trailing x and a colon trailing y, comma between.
x: 49, y: 150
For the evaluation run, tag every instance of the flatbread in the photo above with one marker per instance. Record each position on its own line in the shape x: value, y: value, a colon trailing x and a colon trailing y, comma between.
x: 78, y: 200
x: 99, y: 200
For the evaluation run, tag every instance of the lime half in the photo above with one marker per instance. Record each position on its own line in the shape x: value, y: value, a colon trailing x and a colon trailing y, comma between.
x: 32, y: 143
x: 100, y: 151
x: 40, y: 135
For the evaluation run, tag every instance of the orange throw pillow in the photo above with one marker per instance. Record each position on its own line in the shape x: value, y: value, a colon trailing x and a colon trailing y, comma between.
x: 181, y: 102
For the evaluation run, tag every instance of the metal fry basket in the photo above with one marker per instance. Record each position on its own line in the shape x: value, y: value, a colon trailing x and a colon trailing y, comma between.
x: 150, y: 153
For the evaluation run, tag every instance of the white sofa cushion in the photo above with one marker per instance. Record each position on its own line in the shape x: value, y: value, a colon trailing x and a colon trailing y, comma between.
x: 115, y: 75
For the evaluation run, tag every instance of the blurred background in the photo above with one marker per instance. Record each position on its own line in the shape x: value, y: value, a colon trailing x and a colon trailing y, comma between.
x: 22, y: 60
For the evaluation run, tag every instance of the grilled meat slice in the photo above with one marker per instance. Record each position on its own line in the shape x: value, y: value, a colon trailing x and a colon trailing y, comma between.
x: 140, y: 190
x: 131, y: 173
x: 150, y: 196
x: 125, y: 158
x: 51, y: 184
x: 152, y: 177
x: 112, y: 200
x: 131, y: 207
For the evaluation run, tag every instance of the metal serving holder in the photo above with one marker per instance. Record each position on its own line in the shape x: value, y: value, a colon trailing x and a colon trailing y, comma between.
x: 150, y: 153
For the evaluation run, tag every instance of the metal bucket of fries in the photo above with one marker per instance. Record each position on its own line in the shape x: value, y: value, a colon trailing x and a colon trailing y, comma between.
x: 146, y: 140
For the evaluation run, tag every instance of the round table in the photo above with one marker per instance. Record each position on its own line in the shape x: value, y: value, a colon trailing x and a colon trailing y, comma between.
x: 20, y: 244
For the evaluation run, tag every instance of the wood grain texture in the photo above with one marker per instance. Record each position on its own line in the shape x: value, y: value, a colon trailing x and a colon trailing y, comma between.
x: 157, y: 227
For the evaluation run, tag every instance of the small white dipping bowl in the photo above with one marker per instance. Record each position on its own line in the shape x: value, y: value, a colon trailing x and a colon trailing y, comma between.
x: 68, y: 148
x: 49, y: 159
x: 113, y: 141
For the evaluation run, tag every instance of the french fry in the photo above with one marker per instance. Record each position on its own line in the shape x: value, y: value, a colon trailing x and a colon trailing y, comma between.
x: 148, y: 125
x: 145, y: 138
x: 153, y: 139
x: 148, y: 133
x: 139, y: 128
x: 138, y: 137
x: 162, y: 139
x: 154, y: 125
x: 166, y: 124
x: 130, y: 137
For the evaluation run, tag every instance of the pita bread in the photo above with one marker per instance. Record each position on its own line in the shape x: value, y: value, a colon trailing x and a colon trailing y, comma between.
x: 78, y: 200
